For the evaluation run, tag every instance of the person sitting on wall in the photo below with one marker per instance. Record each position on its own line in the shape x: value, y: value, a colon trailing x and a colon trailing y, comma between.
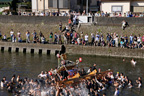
x: 19, y: 39
x: 4, y: 38
x: 34, y: 41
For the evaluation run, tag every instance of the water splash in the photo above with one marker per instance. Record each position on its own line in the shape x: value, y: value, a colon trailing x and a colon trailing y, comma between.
x: 38, y: 89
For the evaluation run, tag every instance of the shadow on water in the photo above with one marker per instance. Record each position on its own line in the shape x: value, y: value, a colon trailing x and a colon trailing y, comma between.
x: 30, y: 65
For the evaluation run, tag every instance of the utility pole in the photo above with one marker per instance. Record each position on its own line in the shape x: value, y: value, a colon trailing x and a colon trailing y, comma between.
x: 69, y: 3
x: 44, y: 7
x: 58, y: 6
x: 81, y: 5
x: 37, y: 6
x: 87, y: 7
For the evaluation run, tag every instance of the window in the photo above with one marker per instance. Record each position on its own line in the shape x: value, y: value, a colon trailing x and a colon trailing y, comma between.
x: 79, y: 2
x: 138, y: 9
x: 116, y: 8
x: 50, y: 3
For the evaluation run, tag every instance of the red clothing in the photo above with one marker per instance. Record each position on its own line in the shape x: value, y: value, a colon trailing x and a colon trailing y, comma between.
x: 69, y: 21
x: 143, y: 38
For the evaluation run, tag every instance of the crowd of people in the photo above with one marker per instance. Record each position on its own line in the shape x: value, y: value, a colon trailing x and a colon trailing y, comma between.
x: 68, y: 35
x: 64, y: 13
x: 47, y: 84
x: 75, y: 38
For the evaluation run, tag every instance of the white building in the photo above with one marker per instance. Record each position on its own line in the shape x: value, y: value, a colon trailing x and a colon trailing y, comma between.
x: 122, y: 6
x: 64, y: 5
x: 49, y: 5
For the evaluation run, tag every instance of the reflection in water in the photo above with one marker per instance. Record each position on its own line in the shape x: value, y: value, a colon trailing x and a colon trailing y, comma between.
x: 27, y: 65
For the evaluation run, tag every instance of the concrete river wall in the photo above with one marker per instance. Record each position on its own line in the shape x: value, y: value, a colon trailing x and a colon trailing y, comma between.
x: 50, y: 24
x: 30, y: 48
x: 70, y: 49
x: 103, y: 21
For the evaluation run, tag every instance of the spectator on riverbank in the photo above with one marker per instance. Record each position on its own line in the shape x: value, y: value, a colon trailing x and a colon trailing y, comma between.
x: 92, y: 39
x: 70, y: 36
x: 0, y: 35
x: 4, y: 38
x: 27, y: 36
x: 60, y: 26
x: 86, y: 39
x: 11, y: 34
x: 14, y: 39
x: 40, y: 36
x: 73, y: 37
x: 97, y: 38
x: 50, y: 37
x: 34, y: 35
x: 77, y: 13
x: 19, y: 39
x: 18, y: 34
x: 55, y: 38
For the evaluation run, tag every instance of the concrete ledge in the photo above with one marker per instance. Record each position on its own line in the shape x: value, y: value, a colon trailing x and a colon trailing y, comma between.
x: 105, y: 51
x: 33, y: 19
x: 71, y: 49
x: 30, y: 48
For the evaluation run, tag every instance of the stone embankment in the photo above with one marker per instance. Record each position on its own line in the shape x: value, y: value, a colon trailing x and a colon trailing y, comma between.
x: 51, y: 24
x: 70, y: 49
x: 46, y: 25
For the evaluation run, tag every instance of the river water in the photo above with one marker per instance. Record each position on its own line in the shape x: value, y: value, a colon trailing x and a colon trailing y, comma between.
x: 30, y: 65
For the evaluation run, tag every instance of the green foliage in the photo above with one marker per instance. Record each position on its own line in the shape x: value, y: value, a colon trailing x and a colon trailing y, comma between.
x: 99, y: 30
x: 6, y: 5
x: 5, y: 1
x: 14, y: 4
x: 28, y: 4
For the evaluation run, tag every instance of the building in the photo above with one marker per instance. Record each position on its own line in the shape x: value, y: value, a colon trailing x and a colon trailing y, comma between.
x: 122, y: 6
x: 64, y: 5
x: 80, y: 5
x: 50, y: 5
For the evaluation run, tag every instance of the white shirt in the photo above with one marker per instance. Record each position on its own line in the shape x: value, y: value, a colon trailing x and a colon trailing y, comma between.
x: 97, y: 38
x: 4, y: 37
x: 138, y: 39
x: 78, y: 40
x: 18, y: 33
x: 139, y: 85
x: 2, y: 84
x: 116, y: 93
x: 86, y: 37
x: 42, y: 75
x: 11, y: 32
x: 131, y: 38
x: 67, y: 27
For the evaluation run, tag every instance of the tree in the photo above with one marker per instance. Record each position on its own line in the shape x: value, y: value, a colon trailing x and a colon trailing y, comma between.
x: 14, y: 5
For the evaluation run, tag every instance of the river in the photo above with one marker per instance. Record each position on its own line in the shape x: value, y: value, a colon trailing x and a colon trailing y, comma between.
x: 30, y: 65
